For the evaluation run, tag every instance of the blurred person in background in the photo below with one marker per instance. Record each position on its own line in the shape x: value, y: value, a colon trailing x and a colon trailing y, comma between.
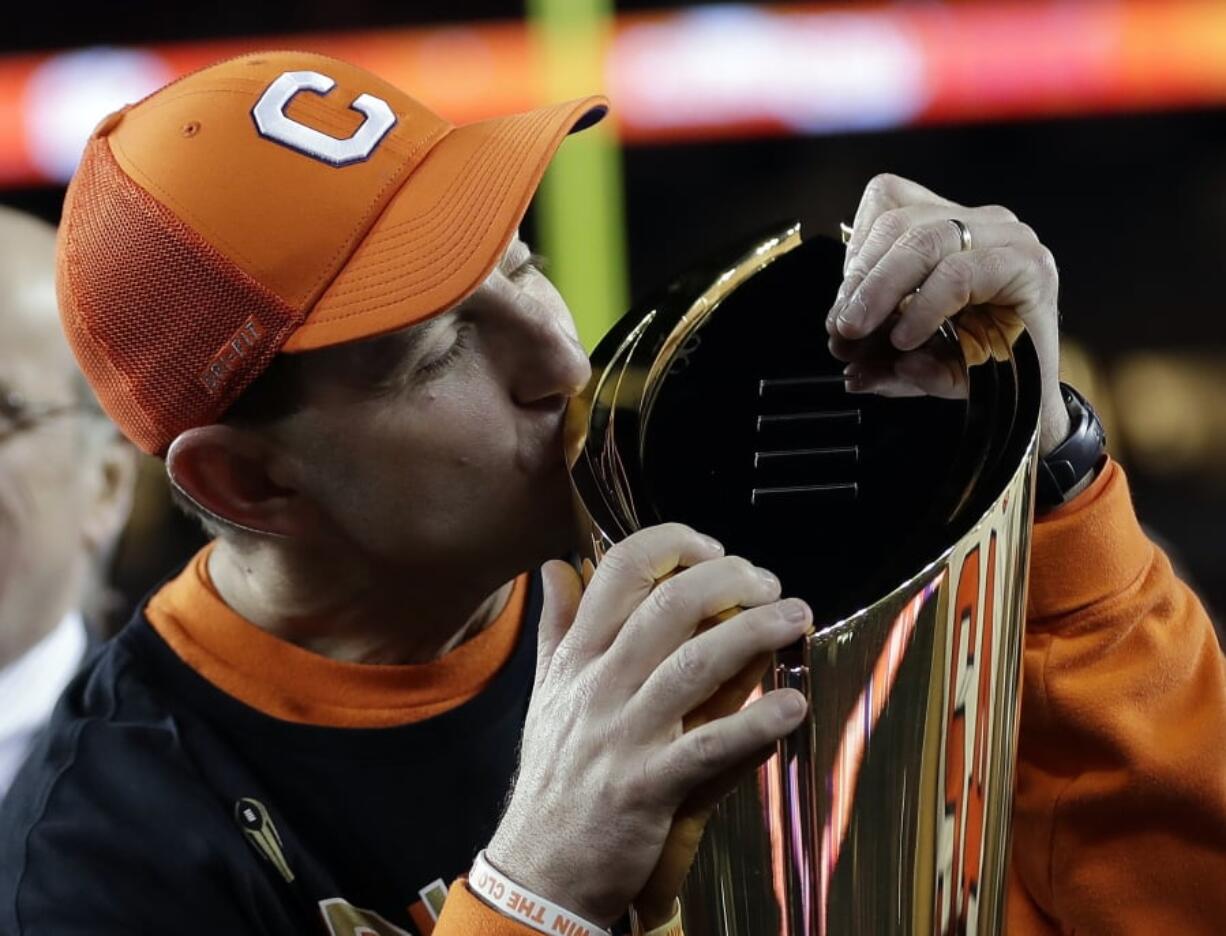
x: 65, y: 488
x: 319, y: 719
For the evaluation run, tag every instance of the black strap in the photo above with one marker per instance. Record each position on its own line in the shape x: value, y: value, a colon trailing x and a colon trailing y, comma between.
x: 1074, y: 459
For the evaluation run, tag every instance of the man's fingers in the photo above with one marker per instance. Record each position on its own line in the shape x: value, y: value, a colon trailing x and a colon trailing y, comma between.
x: 699, y: 755
x: 995, y: 276
x: 704, y: 663
x: 626, y: 576
x: 908, y: 263
x: 884, y: 193
x: 559, y: 603
x: 883, y: 233
x: 897, y: 224
x: 675, y: 608
x: 887, y: 228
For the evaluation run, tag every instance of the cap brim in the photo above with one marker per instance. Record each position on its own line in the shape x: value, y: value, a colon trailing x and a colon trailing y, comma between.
x: 446, y: 229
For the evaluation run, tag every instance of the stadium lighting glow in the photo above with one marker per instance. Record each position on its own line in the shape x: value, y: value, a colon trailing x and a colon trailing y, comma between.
x: 706, y: 72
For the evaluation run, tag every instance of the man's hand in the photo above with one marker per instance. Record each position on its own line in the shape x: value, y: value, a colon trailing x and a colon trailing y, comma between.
x: 604, y: 763
x: 904, y: 253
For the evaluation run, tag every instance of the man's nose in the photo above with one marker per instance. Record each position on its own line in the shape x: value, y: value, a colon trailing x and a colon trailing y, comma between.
x: 552, y: 363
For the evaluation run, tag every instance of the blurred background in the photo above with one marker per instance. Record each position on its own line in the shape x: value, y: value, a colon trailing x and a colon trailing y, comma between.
x: 1101, y: 124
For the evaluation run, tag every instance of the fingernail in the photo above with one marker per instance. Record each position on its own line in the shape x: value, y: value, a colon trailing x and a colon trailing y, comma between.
x: 713, y: 544
x: 768, y: 578
x: 795, y: 610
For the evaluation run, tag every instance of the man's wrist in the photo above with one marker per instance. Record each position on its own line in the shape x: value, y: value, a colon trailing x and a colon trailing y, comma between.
x: 512, y: 899
x: 518, y: 864
x: 1055, y: 423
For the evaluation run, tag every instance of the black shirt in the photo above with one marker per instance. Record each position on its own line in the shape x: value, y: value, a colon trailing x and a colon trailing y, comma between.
x: 156, y: 803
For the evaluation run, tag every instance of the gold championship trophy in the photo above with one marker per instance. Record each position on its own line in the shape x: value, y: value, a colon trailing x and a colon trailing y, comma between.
x: 898, y: 505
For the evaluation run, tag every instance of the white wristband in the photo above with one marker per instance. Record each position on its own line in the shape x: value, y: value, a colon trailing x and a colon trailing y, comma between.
x: 497, y: 890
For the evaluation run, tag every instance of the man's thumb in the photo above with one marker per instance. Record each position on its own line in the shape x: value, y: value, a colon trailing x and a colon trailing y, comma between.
x: 562, y: 590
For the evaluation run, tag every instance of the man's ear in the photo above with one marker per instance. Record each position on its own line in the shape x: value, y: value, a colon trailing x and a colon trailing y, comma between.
x: 239, y: 477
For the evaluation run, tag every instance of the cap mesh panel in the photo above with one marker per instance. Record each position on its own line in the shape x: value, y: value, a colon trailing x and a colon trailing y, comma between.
x: 148, y: 305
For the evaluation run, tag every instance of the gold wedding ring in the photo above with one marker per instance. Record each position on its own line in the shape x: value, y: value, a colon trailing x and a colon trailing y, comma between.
x: 964, y: 233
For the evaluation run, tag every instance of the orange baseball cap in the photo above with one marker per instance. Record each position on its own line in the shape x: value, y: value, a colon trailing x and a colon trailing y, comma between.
x: 279, y: 201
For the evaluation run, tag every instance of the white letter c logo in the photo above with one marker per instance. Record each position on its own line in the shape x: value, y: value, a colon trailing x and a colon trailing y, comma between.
x: 270, y: 120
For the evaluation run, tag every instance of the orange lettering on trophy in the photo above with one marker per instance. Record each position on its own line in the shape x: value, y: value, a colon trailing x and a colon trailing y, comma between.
x: 569, y: 927
x: 966, y: 608
x: 982, y: 743
x: 970, y: 695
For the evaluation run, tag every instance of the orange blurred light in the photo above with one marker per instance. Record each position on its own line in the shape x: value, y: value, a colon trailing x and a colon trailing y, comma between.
x: 748, y: 70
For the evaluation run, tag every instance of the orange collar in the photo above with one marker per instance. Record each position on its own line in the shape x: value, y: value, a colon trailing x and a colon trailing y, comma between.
x: 290, y: 683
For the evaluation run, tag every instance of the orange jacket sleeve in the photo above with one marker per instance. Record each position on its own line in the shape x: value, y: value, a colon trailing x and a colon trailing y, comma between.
x: 465, y: 915
x: 1120, y: 806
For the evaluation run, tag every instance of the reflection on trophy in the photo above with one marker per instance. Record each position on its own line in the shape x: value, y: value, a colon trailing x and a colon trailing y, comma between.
x: 895, y: 498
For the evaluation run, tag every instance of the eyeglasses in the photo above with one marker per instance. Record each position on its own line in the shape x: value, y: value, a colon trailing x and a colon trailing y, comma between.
x: 18, y: 415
